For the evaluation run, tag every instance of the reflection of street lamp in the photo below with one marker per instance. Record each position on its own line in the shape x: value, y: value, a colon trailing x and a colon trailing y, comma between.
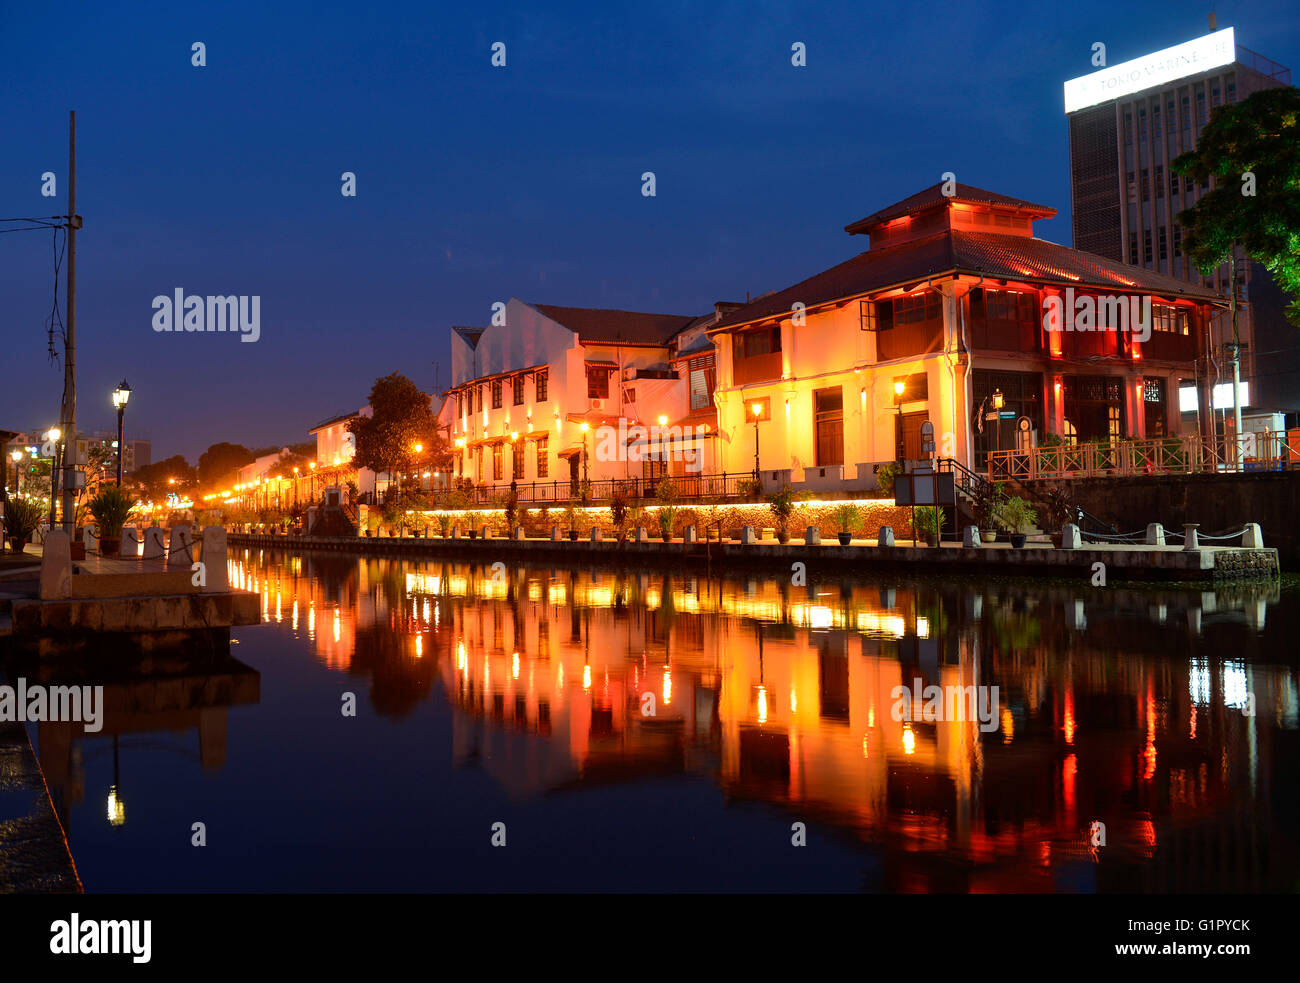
x: 899, y: 386
x: 756, y: 411
x: 120, y: 396
x: 116, y: 807
x: 998, y: 401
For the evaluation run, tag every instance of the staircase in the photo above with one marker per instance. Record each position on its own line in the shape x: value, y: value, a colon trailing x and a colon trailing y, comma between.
x: 335, y: 520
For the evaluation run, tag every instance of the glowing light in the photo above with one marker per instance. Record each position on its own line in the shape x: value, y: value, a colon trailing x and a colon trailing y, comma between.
x: 116, y: 807
x: 586, y: 678
x: 668, y: 686
x: 762, y: 705
x: 909, y: 739
x: 514, y: 666
x: 663, y: 420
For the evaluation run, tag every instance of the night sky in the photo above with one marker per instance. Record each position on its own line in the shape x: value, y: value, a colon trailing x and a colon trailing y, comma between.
x: 476, y: 184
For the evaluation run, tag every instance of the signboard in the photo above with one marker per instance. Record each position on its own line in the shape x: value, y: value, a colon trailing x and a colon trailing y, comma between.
x: 1158, y: 68
x: 924, y: 489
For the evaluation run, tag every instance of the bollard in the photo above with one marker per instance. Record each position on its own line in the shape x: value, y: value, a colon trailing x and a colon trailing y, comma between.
x: 89, y: 539
x: 130, y: 542
x: 56, y: 566
x: 153, y: 543
x: 180, y: 548
x: 1155, y: 534
x: 555, y: 534
x: 812, y: 536
x: 746, y: 535
x: 1253, y: 537
x: 1190, y: 541
x: 970, y: 538
x: 1071, y: 539
x: 596, y: 534
x: 214, y: 561
x: 692, y: 535
x: 886, y: 536
x: 642, y: 534
x: 519, y: 532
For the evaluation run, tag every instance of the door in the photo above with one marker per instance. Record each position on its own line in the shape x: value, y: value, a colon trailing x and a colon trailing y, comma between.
x: 573, y: 474
x: 829, y: 421
x: 907, y: 435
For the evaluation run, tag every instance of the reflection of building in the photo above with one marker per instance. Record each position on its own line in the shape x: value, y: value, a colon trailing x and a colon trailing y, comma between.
x: 784, y: 697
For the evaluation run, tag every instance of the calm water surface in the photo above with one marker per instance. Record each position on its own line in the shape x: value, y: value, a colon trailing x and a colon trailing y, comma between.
x: 517, y: 697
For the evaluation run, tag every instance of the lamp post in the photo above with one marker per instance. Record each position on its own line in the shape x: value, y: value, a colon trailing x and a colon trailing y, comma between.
x: 756, y: 411
x: 295, y: 488
x: 998, y: 401
x: 17, y: 456
x: 899, y: 386
x: 53, y: 435
x: 585, y: 427
x: 313, y: 482
x: 120, y: 395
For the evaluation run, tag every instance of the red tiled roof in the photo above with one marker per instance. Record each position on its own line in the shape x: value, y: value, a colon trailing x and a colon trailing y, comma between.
x: 933, y: 197
x: 617, y: 327
x: 997, y: 256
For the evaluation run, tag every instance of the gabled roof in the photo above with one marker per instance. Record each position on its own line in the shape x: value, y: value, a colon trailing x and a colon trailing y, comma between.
x: 471, y: 335
x: 997, y: 256
x: 933, y: 197
x: 592, y: 325
x: 332, y: 420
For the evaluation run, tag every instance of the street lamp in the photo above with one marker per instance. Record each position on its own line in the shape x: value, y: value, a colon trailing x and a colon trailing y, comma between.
x: 295, y: 488
x: 17, y: 457
x: 756, y: 411
x: 899, y: 386
x: 53, y: 435
x: 585, y: 427
x: 120, y: 395
x: 998, y: 401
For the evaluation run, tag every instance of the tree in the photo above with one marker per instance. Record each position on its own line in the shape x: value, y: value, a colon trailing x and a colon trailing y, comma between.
x: 154, y: 480
x: 1253, y: 149
x: 218, y: 464
x: 402, y: 420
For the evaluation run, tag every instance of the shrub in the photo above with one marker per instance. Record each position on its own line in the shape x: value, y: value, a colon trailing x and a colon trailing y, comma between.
x: 782, y: 505
x: 885, y: 477
x: 1016, y: 515
x: 667, y: 517
x: 1060, y: 508
x: 989, y: 499
x: 111, y: 508
x: 23, y: 517
x: 847, y: 516
x: 930, y: 519
x: 618, y: 511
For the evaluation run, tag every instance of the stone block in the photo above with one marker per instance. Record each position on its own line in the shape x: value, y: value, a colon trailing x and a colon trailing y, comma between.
x: 886, y: 536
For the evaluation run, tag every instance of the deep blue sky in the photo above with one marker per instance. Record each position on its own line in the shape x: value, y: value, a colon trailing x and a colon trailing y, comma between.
x: 476, y: 183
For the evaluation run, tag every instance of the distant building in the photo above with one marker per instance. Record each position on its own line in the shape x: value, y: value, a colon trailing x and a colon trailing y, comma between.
x: 334, y: 452
x: 1128, y: 122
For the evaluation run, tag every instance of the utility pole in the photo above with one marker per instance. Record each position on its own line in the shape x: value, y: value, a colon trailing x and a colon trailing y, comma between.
x: 69, y: 411
x: 1236, y: 367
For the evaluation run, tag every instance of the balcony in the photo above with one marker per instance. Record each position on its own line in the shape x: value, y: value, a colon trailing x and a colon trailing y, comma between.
x: 757, y: 368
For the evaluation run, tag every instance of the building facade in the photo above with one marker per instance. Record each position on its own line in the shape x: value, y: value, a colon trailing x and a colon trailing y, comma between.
x: 1127, y: 123
x: 562, y: 395
x: 955, y: 316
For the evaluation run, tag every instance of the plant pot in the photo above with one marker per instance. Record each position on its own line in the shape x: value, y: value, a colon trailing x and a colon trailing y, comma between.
x: 110, y: 547
x: 1057, y: 539
x: 369, y: 533
x: 17, y: 543
x: 988, y: 535
x: 1018, y: 540
x: 845, y: 538
x: 782, y: 536
x: 931, y: 538
x: 573, y: 535
x: 473, y: 534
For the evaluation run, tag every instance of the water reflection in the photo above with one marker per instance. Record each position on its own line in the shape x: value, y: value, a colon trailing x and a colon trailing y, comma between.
x: 1143, y: 740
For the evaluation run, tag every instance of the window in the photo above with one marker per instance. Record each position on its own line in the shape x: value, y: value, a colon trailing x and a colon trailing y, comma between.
x: 1146, y: 247
x: 539, y: 386
x: 916, y: 308
x: 597, y: 382
x: 1155, y: 119
x: 543, y: 455
x: 1187, y: 113
x: 1128, y: 128
x: 496, y: 462
x: 1173, y: 185
x: 496, y: 395
x: 478, y: 462
x: 762, y: 341
x: 828, y: 405
x: 1160, y: 180
x: 518, y: 384
x: 1133, y: 248
x: 1164, y: 247
x: 701, y: 371
x: 1200, y: 109
x: 1132, y: 187
x: 1142, y: 125
x: 1146, y: 184
x: 1178, y: 240
x: 1170, y: 320
x: 516, y: 460
x: 460, y: 405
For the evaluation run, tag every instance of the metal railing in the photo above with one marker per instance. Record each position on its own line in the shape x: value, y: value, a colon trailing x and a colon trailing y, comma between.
x: 728, y: 485
x: 1190, y: 454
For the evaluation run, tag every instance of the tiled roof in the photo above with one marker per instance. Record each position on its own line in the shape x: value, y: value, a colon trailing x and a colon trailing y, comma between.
x: 997, y: 256
x: 617, y: 327
x: 933, y: 197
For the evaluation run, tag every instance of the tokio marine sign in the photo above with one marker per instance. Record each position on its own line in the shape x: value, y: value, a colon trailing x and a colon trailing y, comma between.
x: 1190, y: 58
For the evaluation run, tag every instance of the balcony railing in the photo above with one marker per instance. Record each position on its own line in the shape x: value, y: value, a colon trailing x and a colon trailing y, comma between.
x: 1192, y: 454
x: 728, y: 485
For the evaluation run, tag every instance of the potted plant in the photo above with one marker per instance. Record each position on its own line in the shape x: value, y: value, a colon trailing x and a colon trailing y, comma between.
x: 929, y: 523
x: 1061, y: 511
x: 1017, y: 516
x: 988, y: 500
x: 444, y: 524
x: 111, y: 508
x: 618, y: 513
x: 782, y: 505
x: 22, y: 518
x: 473, y: 522
x: 667, y: 517
x: 848, y: 517
x: 511, y: 506
x: 571, y: 520
x: 885, y: 478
